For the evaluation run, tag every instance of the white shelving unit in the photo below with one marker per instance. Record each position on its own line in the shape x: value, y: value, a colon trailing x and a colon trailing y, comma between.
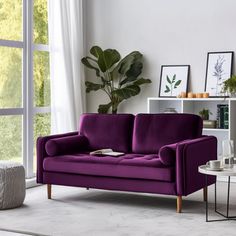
x: 193, y: 106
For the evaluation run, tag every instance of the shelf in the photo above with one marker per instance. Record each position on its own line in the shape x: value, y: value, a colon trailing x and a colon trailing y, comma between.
x: 190, y: 99
x: 214, y: 129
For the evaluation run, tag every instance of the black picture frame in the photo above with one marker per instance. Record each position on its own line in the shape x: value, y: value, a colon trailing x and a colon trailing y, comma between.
x: 184, y: 87
x: 209, y: 72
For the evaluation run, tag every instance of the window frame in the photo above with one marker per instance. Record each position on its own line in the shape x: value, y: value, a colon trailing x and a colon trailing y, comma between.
x: 27, y: 111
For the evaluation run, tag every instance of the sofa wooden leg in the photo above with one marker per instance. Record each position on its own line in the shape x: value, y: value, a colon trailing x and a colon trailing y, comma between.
x: 179, y: 204
x: 87, y: 188
x: 204, y: 194
x: 49, y: 188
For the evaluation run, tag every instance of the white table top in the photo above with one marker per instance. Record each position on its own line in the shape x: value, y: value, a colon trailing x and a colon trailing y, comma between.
x: 225, y: 172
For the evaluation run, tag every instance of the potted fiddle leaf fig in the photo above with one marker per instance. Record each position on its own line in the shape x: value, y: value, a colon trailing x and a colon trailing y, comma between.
x: 119, y: 78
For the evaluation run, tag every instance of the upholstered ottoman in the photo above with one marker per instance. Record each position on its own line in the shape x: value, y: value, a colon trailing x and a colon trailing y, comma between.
x: 12, y: 185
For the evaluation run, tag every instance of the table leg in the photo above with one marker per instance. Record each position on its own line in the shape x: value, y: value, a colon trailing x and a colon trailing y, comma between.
x: 227, y: 214
x: 206, y: 200
x: 215, y: 198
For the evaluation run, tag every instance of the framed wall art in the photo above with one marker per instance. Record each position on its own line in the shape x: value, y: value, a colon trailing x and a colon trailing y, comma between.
x: 174, y: 80
x: 218, y: 69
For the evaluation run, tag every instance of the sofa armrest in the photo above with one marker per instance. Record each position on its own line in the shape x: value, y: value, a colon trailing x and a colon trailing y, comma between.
x: 189, y: 155
x: 41, y: 152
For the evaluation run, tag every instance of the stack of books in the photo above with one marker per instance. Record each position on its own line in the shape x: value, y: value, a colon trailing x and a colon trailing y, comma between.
x: 222, y: 116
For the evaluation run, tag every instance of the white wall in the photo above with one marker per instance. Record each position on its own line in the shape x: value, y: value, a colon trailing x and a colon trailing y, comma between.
x: 166, y: 32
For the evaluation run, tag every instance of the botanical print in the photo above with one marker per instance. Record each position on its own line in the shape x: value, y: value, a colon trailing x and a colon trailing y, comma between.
x: 218, y: 70
x: 174, y: 80
x: 172, y: 84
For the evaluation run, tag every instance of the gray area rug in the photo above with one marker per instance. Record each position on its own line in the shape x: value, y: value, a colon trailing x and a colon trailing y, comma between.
x: 77, y: 211
x: 10, y: 232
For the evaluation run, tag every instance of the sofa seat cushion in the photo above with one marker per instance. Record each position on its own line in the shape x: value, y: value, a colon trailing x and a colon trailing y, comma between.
x: 135, y: 166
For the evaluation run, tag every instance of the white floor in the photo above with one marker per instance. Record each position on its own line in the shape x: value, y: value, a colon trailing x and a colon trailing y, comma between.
x: 76, y: 211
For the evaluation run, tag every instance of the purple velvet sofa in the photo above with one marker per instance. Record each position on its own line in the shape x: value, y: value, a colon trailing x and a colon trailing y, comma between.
x: 162, y: 154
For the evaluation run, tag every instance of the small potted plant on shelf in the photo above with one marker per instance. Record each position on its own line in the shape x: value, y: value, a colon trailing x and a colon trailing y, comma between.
x: 205, y: 114
x: 229, y: 86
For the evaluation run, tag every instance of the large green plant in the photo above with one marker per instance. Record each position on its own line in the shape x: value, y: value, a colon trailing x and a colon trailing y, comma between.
x: 118, y: 78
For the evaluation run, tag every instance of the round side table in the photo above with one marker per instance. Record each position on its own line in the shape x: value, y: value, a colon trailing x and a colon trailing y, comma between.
x: 227, y: 173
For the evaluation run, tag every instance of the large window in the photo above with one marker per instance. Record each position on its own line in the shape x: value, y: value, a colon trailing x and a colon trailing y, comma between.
x: 24, y: 80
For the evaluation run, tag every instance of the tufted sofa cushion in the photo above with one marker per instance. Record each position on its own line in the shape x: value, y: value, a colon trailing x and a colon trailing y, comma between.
x: 135, y: 166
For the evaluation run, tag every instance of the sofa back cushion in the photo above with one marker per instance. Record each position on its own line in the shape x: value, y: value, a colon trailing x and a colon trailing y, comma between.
x: 152, y: 131
x: 108, y: 131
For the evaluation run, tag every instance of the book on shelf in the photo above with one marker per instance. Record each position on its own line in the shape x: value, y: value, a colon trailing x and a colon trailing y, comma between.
x: 222, y: 116
x: 106, y: 152
x: 226, y: 117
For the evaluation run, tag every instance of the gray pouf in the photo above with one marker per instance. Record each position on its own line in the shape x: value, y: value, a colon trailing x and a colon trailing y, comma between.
x: 12, y: 185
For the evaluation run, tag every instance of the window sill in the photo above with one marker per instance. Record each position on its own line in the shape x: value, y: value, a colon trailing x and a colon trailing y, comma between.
x: 31, y: 183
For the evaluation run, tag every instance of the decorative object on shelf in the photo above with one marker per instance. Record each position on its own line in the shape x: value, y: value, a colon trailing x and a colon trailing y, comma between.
x: 229, y: 86
x: 219, y: 69
x: 205, y: 113
x: 210, y: 124
x: 222, y: 116
x: 228, y: 153
x: 193, y: 95
x: 205, y: 95
x: 190, y: 95
x: 174, y: 80
x: 183, y: 94
x: 199, y: 95
x: 118, y: 78
x: 170, y: 110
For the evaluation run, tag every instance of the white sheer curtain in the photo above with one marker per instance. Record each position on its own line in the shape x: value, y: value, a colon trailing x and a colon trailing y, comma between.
x: 66, y: 71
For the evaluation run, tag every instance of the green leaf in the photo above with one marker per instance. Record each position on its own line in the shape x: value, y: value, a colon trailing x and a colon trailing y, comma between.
x: 177, y: 83
x: 173, y: 79
x: 96, y: 51
x: 104, y: 108
x: 135, y: 69
x: 127, y: 80
x: 90, y: 86
x: 127, y: 92
x: 167, y: 89
x: 168, y: 79
x: 85, y: 61
x: 107, y: 59
x: 142, y: 81
x: 125, y: 64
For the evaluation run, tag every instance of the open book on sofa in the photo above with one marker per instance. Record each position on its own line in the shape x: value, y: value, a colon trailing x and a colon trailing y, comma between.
x: 106, y: 152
